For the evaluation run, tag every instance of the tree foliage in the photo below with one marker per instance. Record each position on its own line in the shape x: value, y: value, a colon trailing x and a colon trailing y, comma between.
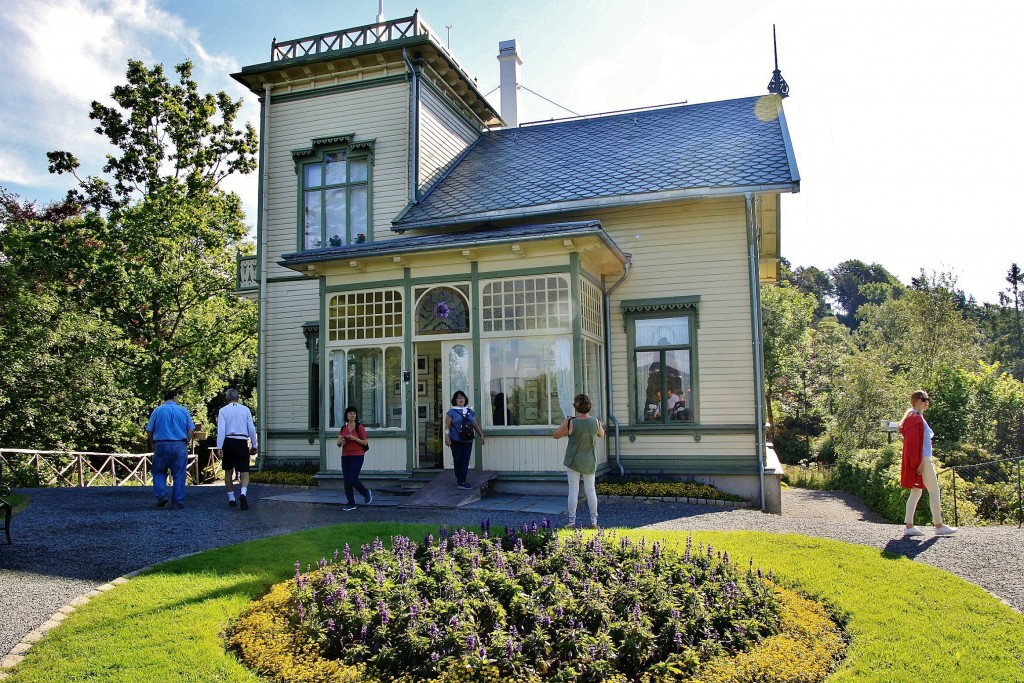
x: 126, y: 288
x: 857, y: 283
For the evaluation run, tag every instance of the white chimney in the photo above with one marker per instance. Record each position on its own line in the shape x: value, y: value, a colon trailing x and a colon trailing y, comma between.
x: 508, y: 57
x: 380, y: 12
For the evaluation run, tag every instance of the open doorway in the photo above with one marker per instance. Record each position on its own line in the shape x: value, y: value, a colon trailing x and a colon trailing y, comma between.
x: 429, y: 407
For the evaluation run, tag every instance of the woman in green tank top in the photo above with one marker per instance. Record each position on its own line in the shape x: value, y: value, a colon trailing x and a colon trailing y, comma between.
x: 581, y: 456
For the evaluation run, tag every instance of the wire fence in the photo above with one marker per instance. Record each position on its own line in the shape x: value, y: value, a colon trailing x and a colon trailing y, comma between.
x: 990, y: 491
x: 79, y: 469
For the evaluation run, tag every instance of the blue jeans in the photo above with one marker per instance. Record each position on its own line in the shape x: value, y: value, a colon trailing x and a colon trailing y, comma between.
x: 351, y: 466
x: 462, y: 452
x: 173, y: 456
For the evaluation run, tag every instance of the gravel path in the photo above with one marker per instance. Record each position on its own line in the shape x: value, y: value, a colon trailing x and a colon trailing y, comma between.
x: 69, y: 541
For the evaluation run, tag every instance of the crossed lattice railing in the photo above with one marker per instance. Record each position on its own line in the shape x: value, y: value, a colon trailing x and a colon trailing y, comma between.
x: 26, y: 467
x: 361, y: 36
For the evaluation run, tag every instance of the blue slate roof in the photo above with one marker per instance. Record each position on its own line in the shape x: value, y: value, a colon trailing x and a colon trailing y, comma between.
x: 455, y: 240
x: 644, y: 156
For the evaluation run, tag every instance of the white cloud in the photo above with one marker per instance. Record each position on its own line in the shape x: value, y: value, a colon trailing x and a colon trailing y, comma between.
x: 60, y: 56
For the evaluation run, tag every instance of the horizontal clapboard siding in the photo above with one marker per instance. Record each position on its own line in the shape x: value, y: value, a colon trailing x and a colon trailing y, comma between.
x: 372, y: 113
x: 289, y: 305
x: 443, y: 136
x: 683, y: 249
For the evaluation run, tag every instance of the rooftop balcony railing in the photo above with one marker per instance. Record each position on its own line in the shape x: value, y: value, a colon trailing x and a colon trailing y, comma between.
x: 361, y: 36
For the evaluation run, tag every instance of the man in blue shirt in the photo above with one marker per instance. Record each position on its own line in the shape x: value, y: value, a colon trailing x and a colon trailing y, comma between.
x: 171, y: 427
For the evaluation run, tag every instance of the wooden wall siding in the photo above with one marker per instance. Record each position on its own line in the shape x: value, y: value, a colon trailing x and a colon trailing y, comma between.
x: 443, y: 136
x: 387, y: 454
x: 374, y: 113
x: 714, y: 453
x: 289, y: 305
x: 530, y: 453
x: 691, y: 248
x: 292, y: 449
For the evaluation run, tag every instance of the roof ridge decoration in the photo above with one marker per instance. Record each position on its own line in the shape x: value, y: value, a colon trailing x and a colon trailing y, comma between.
x: 337, y: 139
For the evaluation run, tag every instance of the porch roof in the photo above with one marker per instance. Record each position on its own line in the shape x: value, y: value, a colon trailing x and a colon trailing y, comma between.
x: 485, y: 236
x: 727, y: 147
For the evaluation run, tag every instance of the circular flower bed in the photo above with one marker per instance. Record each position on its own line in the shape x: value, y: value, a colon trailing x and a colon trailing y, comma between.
x: 530, y: 606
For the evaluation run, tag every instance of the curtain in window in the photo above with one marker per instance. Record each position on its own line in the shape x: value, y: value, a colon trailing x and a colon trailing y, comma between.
x: 337, y: 387
x: 662, y: 332
x: 563, y: 374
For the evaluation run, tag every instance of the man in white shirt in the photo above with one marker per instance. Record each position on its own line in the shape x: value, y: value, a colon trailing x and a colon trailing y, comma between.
x: 235, y: 434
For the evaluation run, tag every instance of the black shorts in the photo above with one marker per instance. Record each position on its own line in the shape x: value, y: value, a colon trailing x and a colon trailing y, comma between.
x: 236, y: 455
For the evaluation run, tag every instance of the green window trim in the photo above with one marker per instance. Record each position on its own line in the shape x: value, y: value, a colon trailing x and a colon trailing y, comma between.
x: 672, y: 308
x: 334, y: 206
x: 311, y: 330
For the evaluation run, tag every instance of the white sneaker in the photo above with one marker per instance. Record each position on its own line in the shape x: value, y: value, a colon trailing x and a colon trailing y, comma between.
x: 945, y: 530
x: 912, y: 531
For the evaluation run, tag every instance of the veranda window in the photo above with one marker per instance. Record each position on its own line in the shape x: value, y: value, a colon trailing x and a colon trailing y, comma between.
x: 532, y: 376
x: 366, y: 377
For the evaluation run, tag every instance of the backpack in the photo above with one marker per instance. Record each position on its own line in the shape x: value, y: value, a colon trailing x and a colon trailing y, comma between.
x: 361, y: 428
x: 465, y: 428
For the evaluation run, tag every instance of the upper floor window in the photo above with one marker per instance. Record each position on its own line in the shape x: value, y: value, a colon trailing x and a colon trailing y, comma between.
x: 334, y: 189
x: 334, y: 200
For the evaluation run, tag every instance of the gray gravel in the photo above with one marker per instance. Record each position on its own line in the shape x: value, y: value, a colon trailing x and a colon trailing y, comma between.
x: 69, y: 541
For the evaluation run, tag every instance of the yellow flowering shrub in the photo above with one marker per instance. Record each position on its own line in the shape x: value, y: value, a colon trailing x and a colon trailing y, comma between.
x: 807, y: 649
x: 664, y: 489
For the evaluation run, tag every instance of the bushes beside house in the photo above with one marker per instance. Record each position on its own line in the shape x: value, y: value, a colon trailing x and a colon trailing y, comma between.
x: 651, y: 486
x: 287, y: 473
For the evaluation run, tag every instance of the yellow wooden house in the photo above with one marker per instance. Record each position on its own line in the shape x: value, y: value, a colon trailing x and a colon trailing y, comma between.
x: 412, y: 242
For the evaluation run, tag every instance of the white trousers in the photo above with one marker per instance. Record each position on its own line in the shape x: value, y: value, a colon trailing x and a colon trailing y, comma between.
x: 931, y: 482
x: 574, y: 493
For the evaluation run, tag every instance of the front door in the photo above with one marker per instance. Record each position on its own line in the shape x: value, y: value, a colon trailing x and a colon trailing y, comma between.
x: 442, y: 368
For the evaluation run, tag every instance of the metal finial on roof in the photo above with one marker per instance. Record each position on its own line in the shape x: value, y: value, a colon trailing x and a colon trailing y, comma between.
x: 778, y: 85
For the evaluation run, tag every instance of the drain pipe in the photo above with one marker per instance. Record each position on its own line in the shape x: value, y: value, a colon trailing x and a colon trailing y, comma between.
x: 608, y: 359
x: 756, y: 336
x: 414, y: 106
x: 261, y: 339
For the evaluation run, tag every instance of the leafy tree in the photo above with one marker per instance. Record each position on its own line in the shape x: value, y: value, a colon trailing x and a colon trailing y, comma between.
x: 163, y: 235
x: 1004, y: 324
x: 786, y: 313
x: 168, y: 135
x: 857, y: 283
x: 919, y: 333
x: 867, y: 392
x: 59, y: 385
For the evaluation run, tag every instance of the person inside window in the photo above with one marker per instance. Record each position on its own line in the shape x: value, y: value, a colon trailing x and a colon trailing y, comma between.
x: 502, y: 415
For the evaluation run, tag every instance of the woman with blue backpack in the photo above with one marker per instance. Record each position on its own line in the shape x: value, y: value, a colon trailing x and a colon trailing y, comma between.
x: 459, y: 427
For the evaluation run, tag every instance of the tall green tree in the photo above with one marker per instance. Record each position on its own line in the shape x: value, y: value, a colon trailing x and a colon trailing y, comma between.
x: 857, y: 283
x: 164, y: 233
x: 60, y: 384
x: 921, y: 332
x: 787, y: 315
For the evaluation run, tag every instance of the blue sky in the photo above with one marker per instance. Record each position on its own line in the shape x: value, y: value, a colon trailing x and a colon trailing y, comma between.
x: 905, y: 116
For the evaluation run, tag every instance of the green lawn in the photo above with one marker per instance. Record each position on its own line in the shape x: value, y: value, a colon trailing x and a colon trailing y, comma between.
x: 908, y: 622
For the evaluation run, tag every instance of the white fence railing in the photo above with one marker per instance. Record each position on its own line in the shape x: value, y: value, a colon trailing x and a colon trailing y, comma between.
x: 82, y: 468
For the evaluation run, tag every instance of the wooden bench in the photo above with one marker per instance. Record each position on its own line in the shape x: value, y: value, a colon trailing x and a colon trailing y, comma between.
x: 5, y: 507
